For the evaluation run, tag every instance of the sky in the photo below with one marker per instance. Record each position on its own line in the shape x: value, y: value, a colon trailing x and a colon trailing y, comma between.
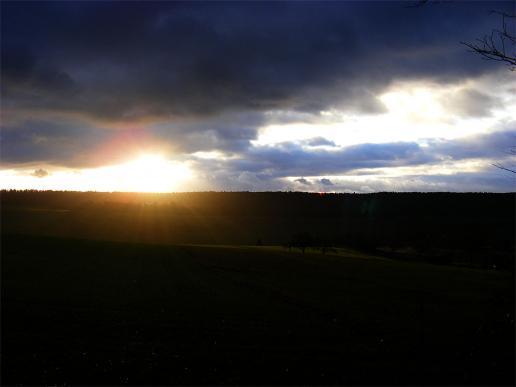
x: 334, y: 96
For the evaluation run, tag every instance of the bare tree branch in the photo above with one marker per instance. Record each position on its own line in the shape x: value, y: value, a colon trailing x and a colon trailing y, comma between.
x: 418, y: 3
x: 504, y: 168
x: 421, y: 3
x: 499, y: 45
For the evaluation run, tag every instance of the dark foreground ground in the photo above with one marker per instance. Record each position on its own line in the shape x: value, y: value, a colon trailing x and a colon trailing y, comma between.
x: 80, y: 312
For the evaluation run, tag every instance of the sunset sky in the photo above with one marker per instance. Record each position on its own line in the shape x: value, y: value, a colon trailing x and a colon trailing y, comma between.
x: 308, y: 96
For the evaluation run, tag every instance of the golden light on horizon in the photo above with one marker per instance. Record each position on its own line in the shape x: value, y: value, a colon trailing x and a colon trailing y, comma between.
x: 146, y: 173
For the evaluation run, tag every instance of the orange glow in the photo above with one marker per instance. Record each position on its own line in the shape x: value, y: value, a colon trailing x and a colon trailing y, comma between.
x: 146, y: 173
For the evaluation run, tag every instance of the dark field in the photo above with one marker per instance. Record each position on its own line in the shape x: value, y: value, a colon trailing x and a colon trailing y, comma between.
x: 468, y: 229
x: 176, y: 295
x: 90, y: 313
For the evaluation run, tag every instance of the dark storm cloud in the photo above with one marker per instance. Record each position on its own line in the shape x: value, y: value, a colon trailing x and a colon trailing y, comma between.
x: 128, y: 61
x: 22, y: 73
x: 59, y: 143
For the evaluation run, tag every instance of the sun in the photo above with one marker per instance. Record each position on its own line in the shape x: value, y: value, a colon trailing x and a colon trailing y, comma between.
x: 148, y: 173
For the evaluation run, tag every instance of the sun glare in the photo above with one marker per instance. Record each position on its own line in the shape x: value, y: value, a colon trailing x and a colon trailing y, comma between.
x: 416, y: 104
x: 147, y: 173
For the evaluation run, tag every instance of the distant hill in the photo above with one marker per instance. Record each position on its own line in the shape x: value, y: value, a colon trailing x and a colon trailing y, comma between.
x: 468, y: 227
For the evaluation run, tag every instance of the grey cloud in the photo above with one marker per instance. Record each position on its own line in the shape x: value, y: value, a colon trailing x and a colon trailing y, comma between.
x: 56, y: 143
x: 471, y: 103
x: 269, y: 163
x: 290, y: 159
x: 488, y: 145
x: 40, y: 173
x: 291, y: 116
x: 303, y: 181
x: 326, y: 182
x: 319, y: 141
x: 230, y: 132
x: 488, y: 180
x: 81, y: 144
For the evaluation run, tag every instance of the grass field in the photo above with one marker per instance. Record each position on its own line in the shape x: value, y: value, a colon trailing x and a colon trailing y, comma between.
x: 80, y: 312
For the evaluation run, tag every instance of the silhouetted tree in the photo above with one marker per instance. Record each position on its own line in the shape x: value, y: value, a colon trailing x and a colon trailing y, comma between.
x: 301, y: 240
x: 499, y: 45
